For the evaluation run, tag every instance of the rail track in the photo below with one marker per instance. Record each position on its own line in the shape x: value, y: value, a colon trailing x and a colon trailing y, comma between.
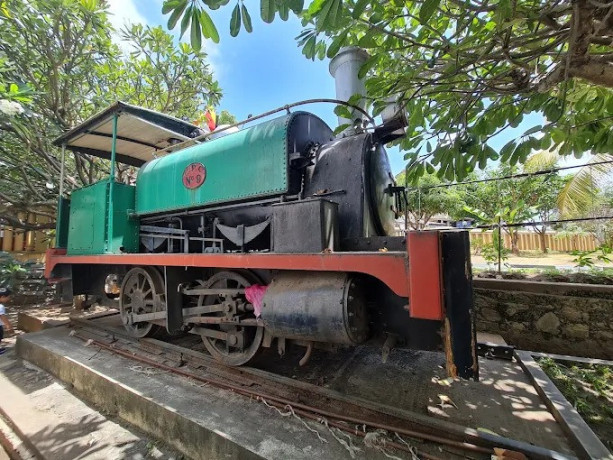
x: 403, y: 430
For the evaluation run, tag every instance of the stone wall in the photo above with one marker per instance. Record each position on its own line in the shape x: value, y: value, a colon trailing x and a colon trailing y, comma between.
x: 565, y: 318
x: 28, y: 284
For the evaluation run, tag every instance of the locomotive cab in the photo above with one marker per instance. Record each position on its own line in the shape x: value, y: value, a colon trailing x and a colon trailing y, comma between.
x: 100, y: 218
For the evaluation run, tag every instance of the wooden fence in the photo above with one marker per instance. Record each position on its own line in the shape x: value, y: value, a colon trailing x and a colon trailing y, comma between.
x: 37, y: 242
x: 530, y: 241
x: 20, y: 241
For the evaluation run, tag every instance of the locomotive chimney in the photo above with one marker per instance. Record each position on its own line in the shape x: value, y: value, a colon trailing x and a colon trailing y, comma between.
x: 344, y: 67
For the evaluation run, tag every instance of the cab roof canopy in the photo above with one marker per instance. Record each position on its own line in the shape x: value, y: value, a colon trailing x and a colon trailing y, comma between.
x: 140, y: 133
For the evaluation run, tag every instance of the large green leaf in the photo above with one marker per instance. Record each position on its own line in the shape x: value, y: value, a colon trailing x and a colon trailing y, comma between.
x: 342, y: 111
x: 321, y: 50
x: 267, y: 10
x: 309, y: 48
x: 196, y: 33
x: 187, y: 17
x: 208, y: 27
x: 283, y: 9
x: 170, y: 5
x: 235, y: 21
x: 176, y: 14
x: 369, y: 40
x: 296, y: 5
x: 215, y: 4
x: 534, y: 129
x: 359, y: 8
x: 427, y: 9
x: 336, y: 44
x: 368, y: 65
x: 315, y: 7
x: 329, y: 15
x: 246, y: 18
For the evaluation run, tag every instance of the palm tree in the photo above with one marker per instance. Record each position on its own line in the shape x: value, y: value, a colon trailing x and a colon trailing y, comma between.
x: 580, y: 191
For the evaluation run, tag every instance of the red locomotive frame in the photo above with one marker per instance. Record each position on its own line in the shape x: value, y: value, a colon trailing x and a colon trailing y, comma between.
x: 421, y: 285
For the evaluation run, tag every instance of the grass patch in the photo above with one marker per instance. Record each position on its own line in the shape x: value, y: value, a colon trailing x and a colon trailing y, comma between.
x: 594, y: 276
x: 589, y: 388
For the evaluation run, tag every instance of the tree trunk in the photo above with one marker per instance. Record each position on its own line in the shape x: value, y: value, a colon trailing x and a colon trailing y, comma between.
x: 514, y: 247
x: 542, y: 237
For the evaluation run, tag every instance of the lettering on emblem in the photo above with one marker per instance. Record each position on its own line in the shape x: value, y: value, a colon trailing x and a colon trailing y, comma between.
x: 194, y: 175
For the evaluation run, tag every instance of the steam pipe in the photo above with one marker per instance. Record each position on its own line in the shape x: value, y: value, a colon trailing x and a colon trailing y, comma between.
x: 188, y: 142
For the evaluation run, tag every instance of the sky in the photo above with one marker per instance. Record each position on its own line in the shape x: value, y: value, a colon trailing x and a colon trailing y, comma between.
x: 265, y: 69
x: 258, y: 71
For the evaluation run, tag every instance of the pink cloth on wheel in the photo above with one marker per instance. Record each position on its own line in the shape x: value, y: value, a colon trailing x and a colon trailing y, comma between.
x: 254, y: 295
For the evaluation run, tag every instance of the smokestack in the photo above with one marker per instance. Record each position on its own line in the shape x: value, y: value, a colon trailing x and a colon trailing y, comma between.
x: 344, y: 68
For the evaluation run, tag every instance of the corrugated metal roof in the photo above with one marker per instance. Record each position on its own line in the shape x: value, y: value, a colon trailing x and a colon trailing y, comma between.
x: 140, y: 133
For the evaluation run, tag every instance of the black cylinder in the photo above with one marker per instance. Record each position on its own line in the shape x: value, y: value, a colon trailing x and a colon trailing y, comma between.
x: 316, y: 306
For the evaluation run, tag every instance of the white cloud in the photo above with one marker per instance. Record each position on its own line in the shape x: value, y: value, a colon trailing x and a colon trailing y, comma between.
x: 121, y: 14
x: 124, y: 12
x: 212, y: 49
x: 214, y: 59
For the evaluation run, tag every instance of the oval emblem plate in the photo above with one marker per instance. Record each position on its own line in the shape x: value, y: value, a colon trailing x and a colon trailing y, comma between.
x: 194, y: 175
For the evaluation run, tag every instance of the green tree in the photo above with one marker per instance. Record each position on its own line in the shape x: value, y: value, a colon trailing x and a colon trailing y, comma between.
x: 462, y: 70
x: 12, y: 95
x: 600, y: 206
x: 426, y: 198
x: 503, y: 213
x: 226, y: 118
x: 581, y: 191
x: 61, y: 50
x: 511, y: 201
x: 541, y: 194
x: 158, y: 75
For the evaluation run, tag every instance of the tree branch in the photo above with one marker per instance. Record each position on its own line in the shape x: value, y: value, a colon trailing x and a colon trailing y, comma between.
x: 599, y: 73
x: 19, y: 224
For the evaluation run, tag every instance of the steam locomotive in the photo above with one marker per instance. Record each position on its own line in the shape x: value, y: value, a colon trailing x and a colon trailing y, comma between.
x: 280, y: 232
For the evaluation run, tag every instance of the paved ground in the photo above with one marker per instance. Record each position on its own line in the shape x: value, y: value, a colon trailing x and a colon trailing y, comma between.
x: 61, y: 426
x: 503, y: 401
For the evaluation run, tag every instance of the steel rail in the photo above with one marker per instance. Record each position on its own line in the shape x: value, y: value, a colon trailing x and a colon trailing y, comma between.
x: 252, y: 379
x: 285, y: 402
x: 346, y: 429
x: 468, y: 437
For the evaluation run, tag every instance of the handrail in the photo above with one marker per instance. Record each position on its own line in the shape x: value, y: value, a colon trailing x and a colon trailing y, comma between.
x: 263, y: 115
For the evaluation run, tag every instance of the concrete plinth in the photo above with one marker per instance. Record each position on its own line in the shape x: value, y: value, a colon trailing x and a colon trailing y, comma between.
x: 39, y: 318
x: 200, y: 421
x: 28, y: 322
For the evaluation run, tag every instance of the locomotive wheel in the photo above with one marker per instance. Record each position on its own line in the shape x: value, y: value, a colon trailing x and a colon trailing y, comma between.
x: 142, y: 291
x: 220, y: 349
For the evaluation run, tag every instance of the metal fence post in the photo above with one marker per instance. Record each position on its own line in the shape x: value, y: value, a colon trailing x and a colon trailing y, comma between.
x: 499, y: 244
